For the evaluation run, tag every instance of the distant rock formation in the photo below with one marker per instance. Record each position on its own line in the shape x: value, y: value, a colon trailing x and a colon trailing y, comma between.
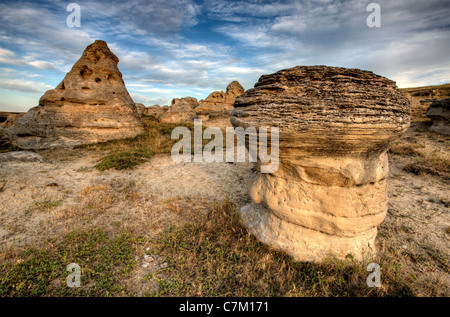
x: 140, y: 107
x: 439, y: 113
x: 181, y: 111
x: 11, y: 118
x: 220, y: 101
x: 90, y: 105
x: 156, y: 111
x: 335, y: 126
x: 215, y: 110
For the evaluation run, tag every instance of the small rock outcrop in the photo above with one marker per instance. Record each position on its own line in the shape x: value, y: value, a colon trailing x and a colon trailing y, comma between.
x: 328, y: 195
x: 180, y: 111
x: 217, y: 107
x: 221, y: 101
x: 140, y: 107
x: 156, y: 111
x: 21, y: 156
x: 90, y: 105
x: 11, y: 118
x: 439, y: 113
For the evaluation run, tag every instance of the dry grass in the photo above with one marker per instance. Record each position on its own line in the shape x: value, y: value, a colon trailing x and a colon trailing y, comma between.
x: 218, y: 257
x: 213, y: 255
x: 424, y: 92
x: 434, y: 165
x: 427, y: 151
x: 407, y: 148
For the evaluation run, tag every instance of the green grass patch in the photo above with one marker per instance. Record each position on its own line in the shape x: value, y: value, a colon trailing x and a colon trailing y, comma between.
x: 104, y: 260
x: 124, y: 160
x: 128, y: 153
x: 46, y: 204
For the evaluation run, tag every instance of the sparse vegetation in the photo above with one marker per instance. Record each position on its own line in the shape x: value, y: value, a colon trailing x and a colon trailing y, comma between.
x: 425, y: 157
x: 430, y: 165
x: 401, y: 148
x: 126, y: 154
x: 444, y: 91
x: 212, y: 257
x: 124, y: 160
x: 104, y: 260
x: 46, y: 204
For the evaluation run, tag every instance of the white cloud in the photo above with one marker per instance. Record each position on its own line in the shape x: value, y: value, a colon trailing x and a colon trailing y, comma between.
x: 411, y: 47
x: 24, y: 85
x: 160, y: 61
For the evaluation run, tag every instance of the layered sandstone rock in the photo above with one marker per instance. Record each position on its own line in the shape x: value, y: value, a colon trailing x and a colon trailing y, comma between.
x: 439, y: 113
x: 90, y: 105
x: 156, y: 111
x: 140, y: 108
x: 329, y: 193
x: 221, y: 101
x: 180, y: 111
x: 215, y: 110
x: 11, y: 118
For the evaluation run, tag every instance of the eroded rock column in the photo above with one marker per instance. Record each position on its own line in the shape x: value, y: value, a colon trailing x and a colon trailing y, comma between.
x: 90, y: 105
x: 329, y: 193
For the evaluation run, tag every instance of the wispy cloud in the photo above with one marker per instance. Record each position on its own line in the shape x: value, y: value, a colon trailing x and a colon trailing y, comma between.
x: 23, y: 85
x: 176, y: 48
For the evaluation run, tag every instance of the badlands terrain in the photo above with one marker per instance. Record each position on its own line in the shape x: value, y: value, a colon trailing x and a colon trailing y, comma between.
x: 140, y: 224
x: 45, y: 203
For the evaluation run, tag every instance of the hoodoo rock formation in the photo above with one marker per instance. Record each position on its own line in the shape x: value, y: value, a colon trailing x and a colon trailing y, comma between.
x: 221, y: 101
x: 156, y: 111
x: 90, y: 105
x: 335, y: 126
x: 439, y: 113
x: 181, y: 110
x: 217, y: 107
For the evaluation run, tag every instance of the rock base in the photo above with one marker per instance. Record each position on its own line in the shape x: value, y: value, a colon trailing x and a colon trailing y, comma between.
x: 301, y: 243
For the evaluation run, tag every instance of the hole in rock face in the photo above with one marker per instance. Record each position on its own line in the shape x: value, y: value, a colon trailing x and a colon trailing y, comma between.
x: 97, y: 80
x: 112, y: 79
x: 85, y: 88
x: 61, y: 85
x: 85, y: 72
x: 95, y: 57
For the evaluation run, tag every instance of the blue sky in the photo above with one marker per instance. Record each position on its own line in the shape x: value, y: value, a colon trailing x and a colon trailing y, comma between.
x: 177, y: 48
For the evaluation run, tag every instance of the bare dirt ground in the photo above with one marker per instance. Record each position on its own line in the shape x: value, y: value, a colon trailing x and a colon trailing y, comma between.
x: 65, y: 192
x: 45, y: 200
